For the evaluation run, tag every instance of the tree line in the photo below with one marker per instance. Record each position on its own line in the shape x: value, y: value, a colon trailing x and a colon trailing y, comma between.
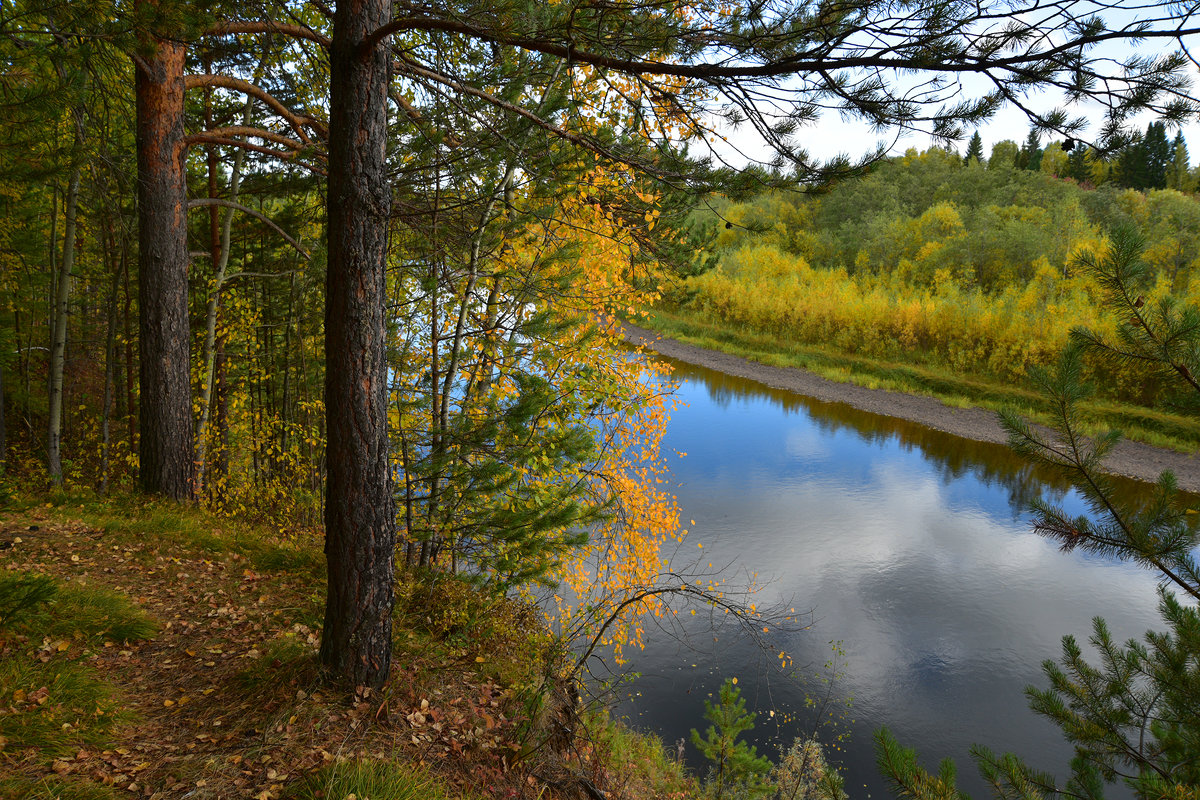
x: 1147, y: 160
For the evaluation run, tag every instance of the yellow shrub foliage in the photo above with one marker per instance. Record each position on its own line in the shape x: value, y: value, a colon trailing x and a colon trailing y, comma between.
x: 886, y: 317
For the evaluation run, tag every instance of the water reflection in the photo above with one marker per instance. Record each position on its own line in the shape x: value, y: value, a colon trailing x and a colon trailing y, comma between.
x: 954, y: 457
x: 912, y: 550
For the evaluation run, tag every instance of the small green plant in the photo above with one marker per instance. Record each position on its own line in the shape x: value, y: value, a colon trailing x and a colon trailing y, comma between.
x: 737, y: 771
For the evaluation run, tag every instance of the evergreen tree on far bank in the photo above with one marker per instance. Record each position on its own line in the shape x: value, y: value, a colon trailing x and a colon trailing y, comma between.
x: 974, y: 150
x: 1178, y: 174
x: 1143, y: 163
x: 1158, y: 155
x: 1030, y: 156
x: 1078, y: 167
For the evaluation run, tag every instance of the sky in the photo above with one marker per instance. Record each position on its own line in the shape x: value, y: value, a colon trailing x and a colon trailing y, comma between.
x: 832, y: 136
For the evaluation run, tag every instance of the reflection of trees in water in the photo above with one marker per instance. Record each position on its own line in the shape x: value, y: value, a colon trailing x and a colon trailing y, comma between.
x: 954, y: 457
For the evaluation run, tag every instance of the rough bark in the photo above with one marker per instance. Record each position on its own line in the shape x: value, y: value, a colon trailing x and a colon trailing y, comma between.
x: 360, y: 531
x: 165, y: 440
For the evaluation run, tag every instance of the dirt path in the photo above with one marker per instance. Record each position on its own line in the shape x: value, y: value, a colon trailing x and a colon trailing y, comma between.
x: 1132, y: 459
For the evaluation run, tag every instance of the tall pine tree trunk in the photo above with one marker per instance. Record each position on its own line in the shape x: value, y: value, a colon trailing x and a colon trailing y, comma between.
x: 360, y: 531
x: 165, y: 440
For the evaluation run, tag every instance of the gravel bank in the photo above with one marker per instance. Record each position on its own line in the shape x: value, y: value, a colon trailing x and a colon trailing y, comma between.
x: 1131, y: 459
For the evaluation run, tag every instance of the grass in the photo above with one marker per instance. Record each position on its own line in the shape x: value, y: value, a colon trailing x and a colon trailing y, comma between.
x: 57, y: 703
x: 642, y: 765
x: 58, y: 789
x: 93, y: 613
x: 1158, y: 428
x: 133, y: 518
x: 55, y: 708
x: 375, y: 780
x: 450, y: 616
x: 283, y: 661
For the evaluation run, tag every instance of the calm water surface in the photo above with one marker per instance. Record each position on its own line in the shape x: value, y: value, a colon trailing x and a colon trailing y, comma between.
x: 910, y: 547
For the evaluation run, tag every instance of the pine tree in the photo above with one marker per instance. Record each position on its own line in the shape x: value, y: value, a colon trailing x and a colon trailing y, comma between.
x: 1178, y: 177
x: 165, y: 442
x: 1077, y: 164
x: 360, y: 522
x: 974, y: 150
x: 737, y: 771
x: 1030, y: 157
x: 1158, y: 155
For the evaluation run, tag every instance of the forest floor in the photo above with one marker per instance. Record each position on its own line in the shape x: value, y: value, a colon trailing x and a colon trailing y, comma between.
x: 178, y: 659
x: 1130, y: 459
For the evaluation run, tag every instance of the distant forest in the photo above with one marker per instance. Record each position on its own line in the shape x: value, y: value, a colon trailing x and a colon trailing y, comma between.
x: 986, y: 221
x: 950, y: 260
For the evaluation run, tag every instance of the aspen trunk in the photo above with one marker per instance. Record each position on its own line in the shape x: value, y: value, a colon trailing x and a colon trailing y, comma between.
x: 110, y: 355
x: 58, y: 342
x: 220, y: 268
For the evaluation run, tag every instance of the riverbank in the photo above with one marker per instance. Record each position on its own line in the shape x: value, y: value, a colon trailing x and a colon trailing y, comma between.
x: 1131, y: 459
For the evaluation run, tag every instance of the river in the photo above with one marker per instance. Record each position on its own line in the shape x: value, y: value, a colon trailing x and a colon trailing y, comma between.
x: 913, y: 552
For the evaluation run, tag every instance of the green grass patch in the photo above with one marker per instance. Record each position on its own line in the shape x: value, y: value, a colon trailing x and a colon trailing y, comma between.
x: 41, y: 607
x: 58, y: 789
x: 22, y: 593
x: 377, y: 780
x: 89, y: 612
x: 288, y: 558
x: 1154, y: 427
x: 55, y: 707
